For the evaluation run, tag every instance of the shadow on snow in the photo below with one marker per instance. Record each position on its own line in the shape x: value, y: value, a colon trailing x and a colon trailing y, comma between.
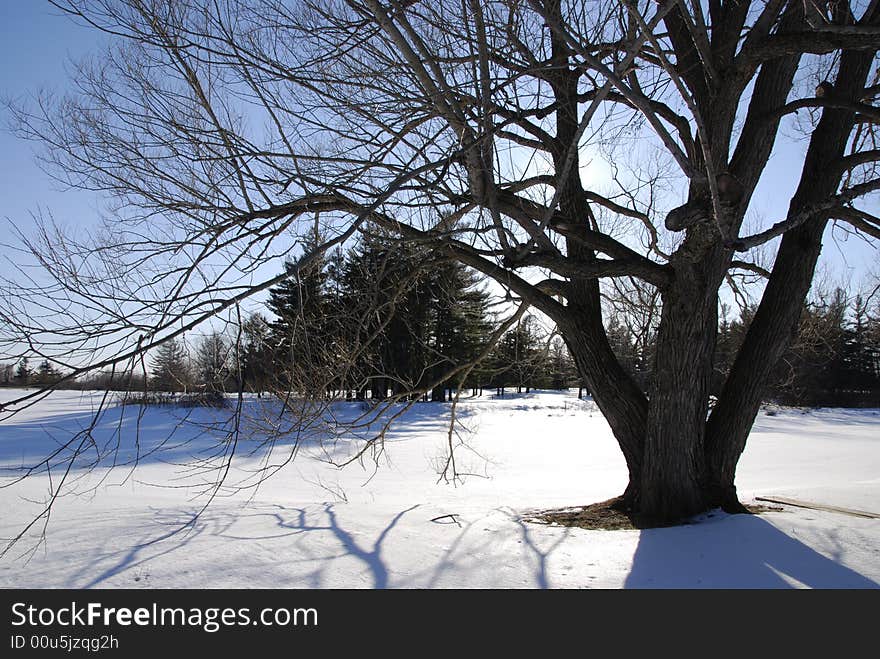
x: 124, y: 436
x: 736, y: 551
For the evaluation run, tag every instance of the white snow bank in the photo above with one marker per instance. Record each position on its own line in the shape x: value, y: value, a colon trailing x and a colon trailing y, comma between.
x: 313, y: 525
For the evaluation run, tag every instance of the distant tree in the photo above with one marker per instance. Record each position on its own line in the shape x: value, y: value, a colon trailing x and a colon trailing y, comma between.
x: 299, y: 329
x: 833, y: 361
x: 621, y: 338
x: 517, y: 359
x: 46, y: 374
x: 213, y: 362
x: 111, y: 381
x: 254, y: 354
x: 23, y: 373
x: 854, y: 379
x: 7, y: 374
x: 731, y: 334
x: 561, y: 372
x: 801, y: 376
x: 458, y: 323
x: 170, y: 368
x: 390, y: 287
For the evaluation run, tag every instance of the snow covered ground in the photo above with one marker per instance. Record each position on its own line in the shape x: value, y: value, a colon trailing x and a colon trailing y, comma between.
x: 315, y: 526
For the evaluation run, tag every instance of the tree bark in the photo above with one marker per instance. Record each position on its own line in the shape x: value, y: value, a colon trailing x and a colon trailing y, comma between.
x: 672, y: 480
x: 777, y: 317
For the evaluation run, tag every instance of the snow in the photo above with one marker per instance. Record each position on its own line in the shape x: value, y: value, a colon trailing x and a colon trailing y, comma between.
x: 313, y: 525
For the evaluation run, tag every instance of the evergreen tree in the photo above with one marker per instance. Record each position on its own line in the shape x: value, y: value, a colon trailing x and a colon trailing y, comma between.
x: 731, y: 334
x: 458, y: 324
x: 622, y: 343
x: 7, y: 374
x: 212, y: 363
x: 169, y: 368
x: 560, y: 369
x: 23, y: 373
x: 298, y: 331
x: 850, y: 378
x: 255, y: 353
x: 46, y: 374
x: 418, y: 316
x: 385, y: 287
x: 802, y: 375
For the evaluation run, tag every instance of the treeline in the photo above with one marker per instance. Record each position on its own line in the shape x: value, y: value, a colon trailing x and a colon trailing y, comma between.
x: 389, y: 319
x: 834, y: 361
x: 381, y: 319
x: 22, y: 373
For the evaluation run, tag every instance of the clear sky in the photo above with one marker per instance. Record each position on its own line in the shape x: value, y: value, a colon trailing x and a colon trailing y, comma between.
x: 37, y: 41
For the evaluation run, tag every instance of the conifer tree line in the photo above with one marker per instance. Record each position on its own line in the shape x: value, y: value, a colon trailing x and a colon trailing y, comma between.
x: 388, y: 319
x: 833, y: 361
x: 382, y: 319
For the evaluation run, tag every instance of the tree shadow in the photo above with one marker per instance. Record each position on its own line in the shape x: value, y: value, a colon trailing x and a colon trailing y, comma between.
x: 183, y: 532
x: 125, y: 436
x: 186, y: 527
x: 737, y: 551
x: 371, y: 557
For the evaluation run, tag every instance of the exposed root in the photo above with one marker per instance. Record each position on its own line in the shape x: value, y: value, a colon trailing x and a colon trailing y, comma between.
x: 615, y: 515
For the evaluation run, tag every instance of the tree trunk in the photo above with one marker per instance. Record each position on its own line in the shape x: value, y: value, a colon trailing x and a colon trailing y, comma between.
x: 770, y: 333
x: 672, y: 478
x: 776, y: 319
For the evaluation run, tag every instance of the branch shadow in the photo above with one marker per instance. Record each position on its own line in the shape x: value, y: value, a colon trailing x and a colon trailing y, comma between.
x: 737, y: 551
x: 184, y: 531
x: 292, y: 522
x: 371, y: 558
x: 123, y: 436
x: 541, y: 556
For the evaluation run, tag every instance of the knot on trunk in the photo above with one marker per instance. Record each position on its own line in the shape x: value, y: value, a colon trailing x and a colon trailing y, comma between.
x: 698, y: 208
x: 688, y: 214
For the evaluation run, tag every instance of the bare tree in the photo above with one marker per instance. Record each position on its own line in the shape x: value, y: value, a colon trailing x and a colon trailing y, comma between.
x: 228, y: 134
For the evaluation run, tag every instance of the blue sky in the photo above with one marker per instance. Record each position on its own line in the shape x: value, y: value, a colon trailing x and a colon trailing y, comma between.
x: 37, y: 41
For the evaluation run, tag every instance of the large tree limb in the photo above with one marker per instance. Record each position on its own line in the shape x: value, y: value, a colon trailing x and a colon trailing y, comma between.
x: 861, y: 220
x: 574, y: 268
x: 830, y: 207
x: 816, y: 42
x: 859, y: 109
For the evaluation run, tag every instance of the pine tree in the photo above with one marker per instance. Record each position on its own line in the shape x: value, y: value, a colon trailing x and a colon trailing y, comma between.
x: 418, y: 316
x: 803, y: 373
x: 254, y: 354
x: 23, y: 373
x: 458, y: 323
x: 7, y: 374
x: 212, y: 363
x: 298, y: 331
x: 384, y: 286
x: 560, y: 369
x: 46, y: 374
x: 169, y: 368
